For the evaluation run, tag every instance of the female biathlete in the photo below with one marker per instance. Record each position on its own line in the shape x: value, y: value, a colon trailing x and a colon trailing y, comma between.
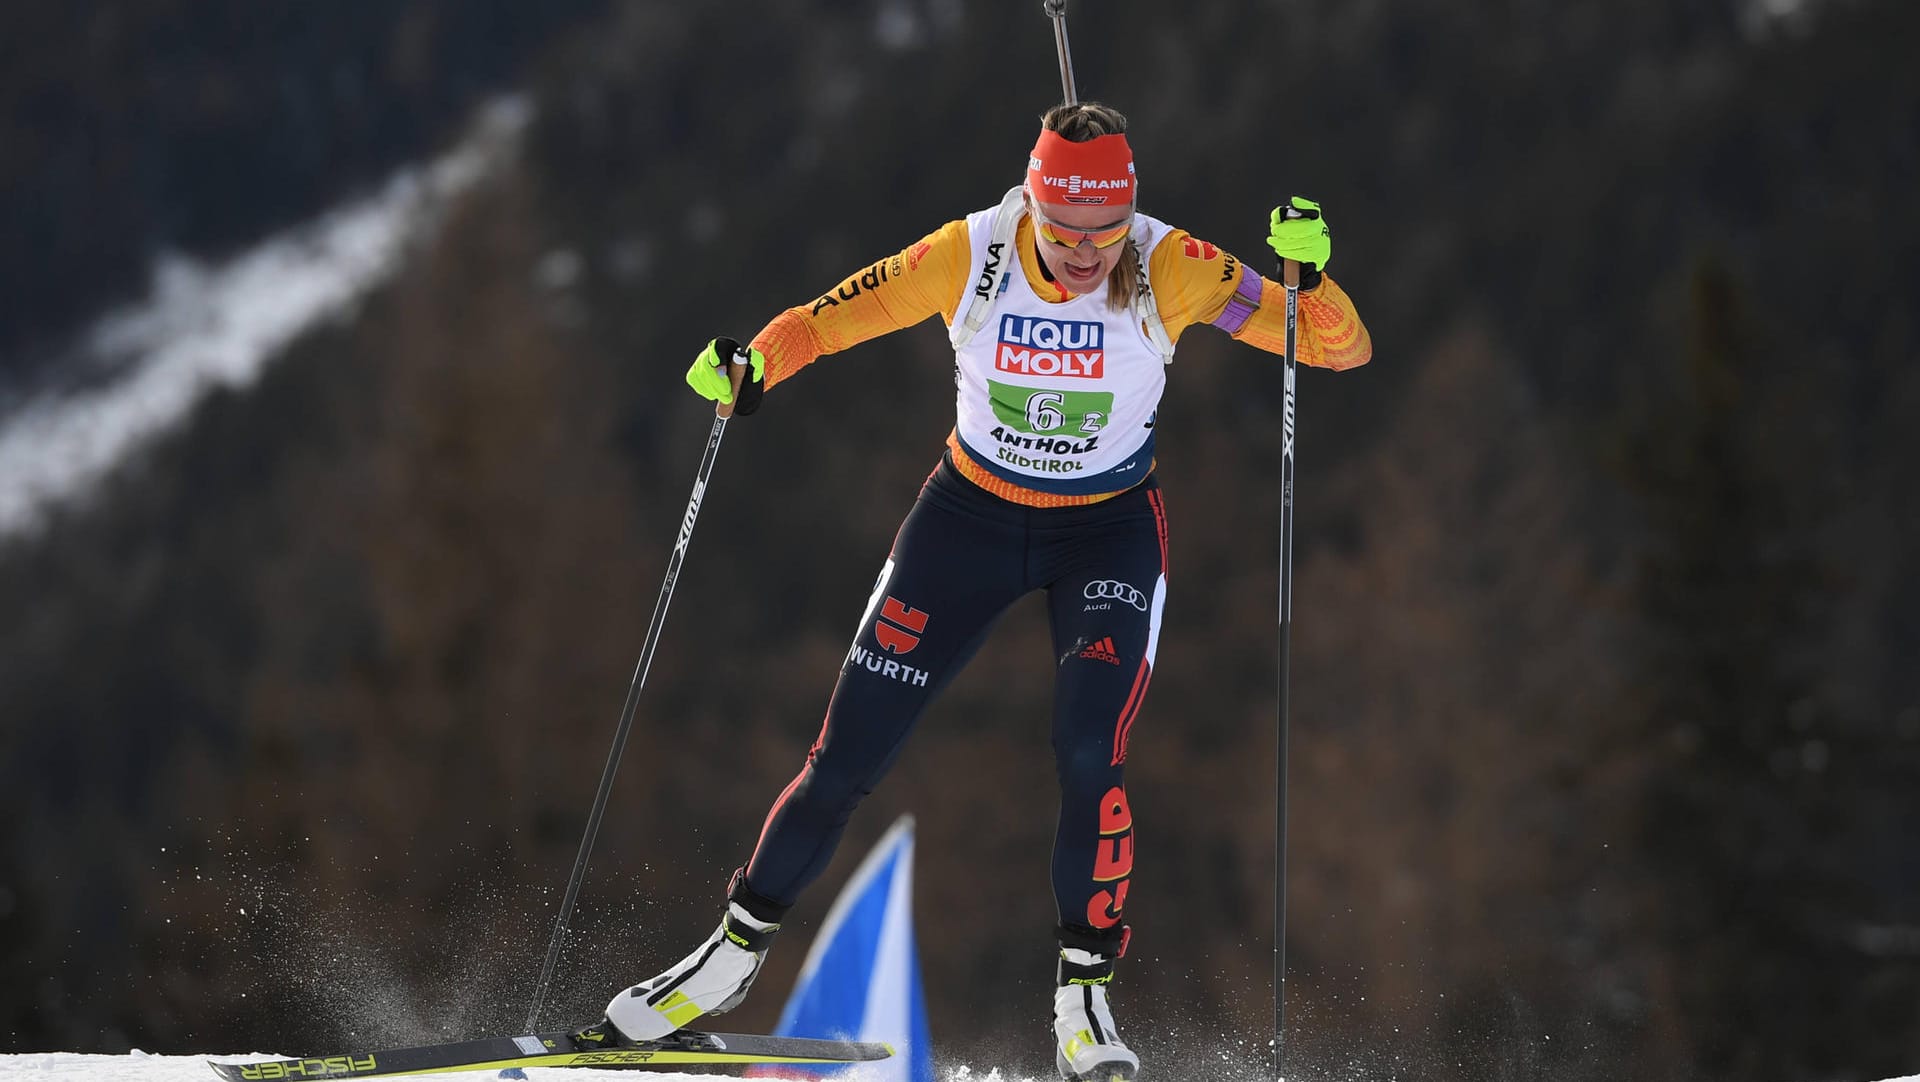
x: 1063, y: 305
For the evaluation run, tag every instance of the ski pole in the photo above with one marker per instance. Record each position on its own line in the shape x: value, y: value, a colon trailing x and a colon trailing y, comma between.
x: 721, y: 413
x: 1057, y: 11
x: 1290, y: 278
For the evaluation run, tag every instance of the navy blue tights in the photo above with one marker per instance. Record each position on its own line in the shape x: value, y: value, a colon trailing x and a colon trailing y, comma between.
x: 961, y: 558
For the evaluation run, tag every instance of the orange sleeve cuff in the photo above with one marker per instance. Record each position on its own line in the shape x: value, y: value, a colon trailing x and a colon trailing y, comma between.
x: 788, y: 344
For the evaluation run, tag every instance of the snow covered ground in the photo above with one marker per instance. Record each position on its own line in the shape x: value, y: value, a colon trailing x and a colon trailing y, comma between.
x: 140, y: 1067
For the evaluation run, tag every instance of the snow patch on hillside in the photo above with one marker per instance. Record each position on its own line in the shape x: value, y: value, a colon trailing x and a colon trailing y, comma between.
x: 205, y: 327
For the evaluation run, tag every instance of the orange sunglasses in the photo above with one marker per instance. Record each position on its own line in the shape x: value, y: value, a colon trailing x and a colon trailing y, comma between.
x: 1104, y: 237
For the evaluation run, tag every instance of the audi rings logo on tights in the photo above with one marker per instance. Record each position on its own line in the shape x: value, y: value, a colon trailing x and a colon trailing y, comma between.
x: 1119, y: 591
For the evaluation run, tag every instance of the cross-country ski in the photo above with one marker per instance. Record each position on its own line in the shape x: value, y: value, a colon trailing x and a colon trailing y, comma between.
x: 685, y: 1049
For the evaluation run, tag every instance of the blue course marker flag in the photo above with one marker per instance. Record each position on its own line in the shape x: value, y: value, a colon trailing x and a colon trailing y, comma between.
x: 861, y: 979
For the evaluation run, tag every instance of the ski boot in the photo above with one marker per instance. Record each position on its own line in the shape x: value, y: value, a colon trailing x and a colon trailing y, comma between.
x: 712, y: 979
x: 1087, y: 1046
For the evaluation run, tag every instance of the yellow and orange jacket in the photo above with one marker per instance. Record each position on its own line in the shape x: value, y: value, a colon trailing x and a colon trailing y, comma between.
x: 1192, y: 282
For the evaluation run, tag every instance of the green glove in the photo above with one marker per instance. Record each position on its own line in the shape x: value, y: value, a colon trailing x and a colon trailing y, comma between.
x: 709, y: 378
x: 1298, y: 232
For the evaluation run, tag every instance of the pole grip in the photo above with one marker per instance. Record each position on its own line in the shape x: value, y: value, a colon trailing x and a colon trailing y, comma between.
x: 1290, y: 273
x: 737, y: 372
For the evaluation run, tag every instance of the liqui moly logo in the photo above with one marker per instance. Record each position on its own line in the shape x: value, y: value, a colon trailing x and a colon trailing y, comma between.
x: 1035, y: 346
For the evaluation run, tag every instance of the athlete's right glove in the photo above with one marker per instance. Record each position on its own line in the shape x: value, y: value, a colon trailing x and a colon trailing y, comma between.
x: 710, y: 378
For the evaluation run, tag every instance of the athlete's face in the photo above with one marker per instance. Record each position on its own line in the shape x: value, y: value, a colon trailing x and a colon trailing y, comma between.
x: 1095, y: 236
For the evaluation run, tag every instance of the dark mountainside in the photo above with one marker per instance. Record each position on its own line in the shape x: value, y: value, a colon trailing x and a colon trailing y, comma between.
x: 1604, y: 721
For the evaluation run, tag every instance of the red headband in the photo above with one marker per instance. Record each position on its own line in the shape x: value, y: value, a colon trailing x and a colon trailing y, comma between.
x: 1098, y: 172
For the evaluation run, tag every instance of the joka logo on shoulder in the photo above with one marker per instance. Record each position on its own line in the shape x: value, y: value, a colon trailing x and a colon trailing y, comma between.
x: 1036, y: 346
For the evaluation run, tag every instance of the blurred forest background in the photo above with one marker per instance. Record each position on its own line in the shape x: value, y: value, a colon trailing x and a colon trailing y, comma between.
x: 1606, y: 730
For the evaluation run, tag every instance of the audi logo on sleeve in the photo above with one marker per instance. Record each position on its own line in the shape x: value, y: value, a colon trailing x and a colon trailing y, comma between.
x: 1117, y: 591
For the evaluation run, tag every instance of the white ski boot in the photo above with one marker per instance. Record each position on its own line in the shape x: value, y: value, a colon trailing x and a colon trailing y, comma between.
x: 1087, y: 1046
x: 712, y: 979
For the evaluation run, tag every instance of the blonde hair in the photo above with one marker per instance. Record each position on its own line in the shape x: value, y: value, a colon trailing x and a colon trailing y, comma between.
x: 1080, y: 123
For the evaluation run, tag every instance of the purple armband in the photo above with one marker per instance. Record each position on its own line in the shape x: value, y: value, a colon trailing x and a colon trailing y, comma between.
x: 1240, y: 306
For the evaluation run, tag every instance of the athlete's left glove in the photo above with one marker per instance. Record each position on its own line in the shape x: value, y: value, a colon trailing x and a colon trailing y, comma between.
x: 709, y: 376
x: 1298, y: 232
